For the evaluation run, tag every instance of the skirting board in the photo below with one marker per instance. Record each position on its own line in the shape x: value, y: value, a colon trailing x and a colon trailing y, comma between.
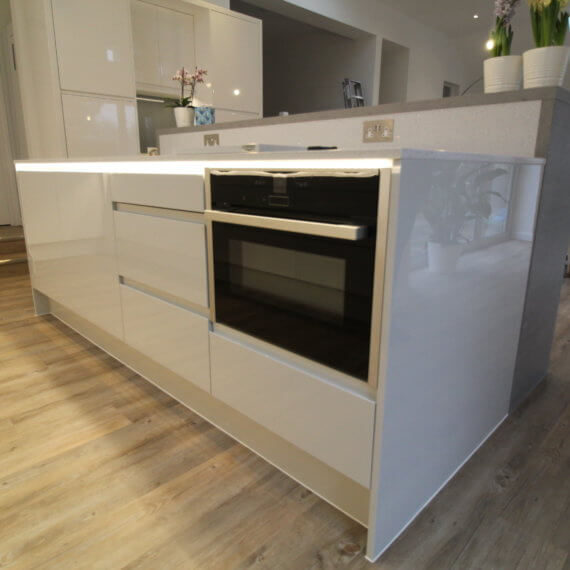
x: 330, y: 485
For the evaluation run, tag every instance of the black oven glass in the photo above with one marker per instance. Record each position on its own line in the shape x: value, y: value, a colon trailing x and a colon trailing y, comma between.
x: 310, y: 295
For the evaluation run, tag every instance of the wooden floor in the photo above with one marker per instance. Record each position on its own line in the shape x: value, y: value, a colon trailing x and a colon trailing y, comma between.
x: 98, y: 469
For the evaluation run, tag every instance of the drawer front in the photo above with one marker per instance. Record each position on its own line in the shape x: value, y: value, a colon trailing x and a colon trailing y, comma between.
x: 176, y: 191
x: 165, y: 254
x: 332, y: 424
x: 168, y: 334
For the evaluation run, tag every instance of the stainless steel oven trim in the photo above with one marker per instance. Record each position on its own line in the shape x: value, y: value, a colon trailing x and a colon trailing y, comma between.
x: 321, y: 229
x: 340, y: 173
x: 379, y: 275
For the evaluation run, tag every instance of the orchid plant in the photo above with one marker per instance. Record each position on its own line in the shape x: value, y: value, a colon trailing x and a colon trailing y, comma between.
x: 549, y: 22
x: 185, y: 78
x: 501, y: 37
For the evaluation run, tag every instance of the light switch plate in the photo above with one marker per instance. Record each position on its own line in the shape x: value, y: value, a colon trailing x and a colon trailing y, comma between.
x: 378, y: 131
x: 212, y: 140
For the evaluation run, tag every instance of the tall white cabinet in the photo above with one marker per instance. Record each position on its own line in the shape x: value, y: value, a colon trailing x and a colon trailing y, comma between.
x: 168, y: 35
x: 164, y: 41
x: 76, y: 72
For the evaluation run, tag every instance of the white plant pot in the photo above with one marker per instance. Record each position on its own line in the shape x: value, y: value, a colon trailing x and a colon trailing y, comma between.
x: 443, y: 258
x: 502, y: 73
x: 545, y: 66
x: 184, y: 116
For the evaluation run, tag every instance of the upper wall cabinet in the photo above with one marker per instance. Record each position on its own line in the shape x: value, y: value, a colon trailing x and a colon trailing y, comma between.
x: 98, y: 57
x: 163, y: 43
x: 236, y: 59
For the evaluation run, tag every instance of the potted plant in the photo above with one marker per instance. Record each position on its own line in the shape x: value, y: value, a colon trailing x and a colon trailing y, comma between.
x: 546, y: 64
x: 454, y: 199
x: 183, y: 109
x: 502, y: 71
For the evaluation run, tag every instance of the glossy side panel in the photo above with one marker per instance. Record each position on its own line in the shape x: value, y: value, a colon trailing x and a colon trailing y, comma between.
x: 167, y: 254
x: 451, y: 327
x: 332, y: 424
x: 68, y: 221
x: 180, y: 192
x: 94, y: 46
x: 168, y: 334
x: 99, y: 126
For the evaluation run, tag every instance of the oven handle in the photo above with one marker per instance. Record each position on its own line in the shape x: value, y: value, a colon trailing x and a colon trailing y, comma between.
x: 321, y: 229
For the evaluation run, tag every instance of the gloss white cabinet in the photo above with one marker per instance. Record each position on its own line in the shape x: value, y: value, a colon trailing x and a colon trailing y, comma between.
x: 99, y: 126
x: 94, y: 46
x: 329, y: 422
x: 236, y: 60
x: 68, y: 222
x: 168, y: 334
x: 163, y: 43
x: 166, y: 254
x: 175, y: 191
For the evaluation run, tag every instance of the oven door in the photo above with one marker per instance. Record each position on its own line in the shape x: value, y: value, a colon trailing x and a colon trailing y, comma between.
x: 310, y: 294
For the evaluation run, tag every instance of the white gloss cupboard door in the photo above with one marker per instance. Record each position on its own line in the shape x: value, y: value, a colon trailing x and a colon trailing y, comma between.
x: 94, y: 46
x: 168, y: 334
x: 163, y: 43
x: 329, y: 422
x: 145, y: 41
x: 176, y: 45
x: 68, y: 219
x: 168, y: 255
x: 236, y: 53
x: 97, y: 126
x: 175, y: 191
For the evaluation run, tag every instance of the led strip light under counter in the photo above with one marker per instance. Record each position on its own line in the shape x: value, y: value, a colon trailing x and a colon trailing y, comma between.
x: 197, y: 167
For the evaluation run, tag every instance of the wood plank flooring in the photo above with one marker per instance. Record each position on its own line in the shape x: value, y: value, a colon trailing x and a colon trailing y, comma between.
x: 99, y: 469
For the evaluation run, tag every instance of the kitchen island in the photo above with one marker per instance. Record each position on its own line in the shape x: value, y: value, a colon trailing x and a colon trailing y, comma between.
x: 123, y: 252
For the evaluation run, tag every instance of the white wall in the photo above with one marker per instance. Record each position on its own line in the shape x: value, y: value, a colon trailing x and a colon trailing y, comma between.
x: 4, y: 13
x: 433, y: 56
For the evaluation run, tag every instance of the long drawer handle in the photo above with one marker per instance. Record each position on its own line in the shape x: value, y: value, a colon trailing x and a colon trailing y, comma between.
x: 322, y: 229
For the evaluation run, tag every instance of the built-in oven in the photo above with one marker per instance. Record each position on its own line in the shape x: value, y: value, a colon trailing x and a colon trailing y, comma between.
x: 293, y: 260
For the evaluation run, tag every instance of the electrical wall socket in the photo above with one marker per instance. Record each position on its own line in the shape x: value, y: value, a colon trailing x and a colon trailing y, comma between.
x: 212, y: 140
x: 378, y: 131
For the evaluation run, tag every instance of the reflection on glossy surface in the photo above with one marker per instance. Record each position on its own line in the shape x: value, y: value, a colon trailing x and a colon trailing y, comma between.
x: 69, y: 235
x: 453, y: 334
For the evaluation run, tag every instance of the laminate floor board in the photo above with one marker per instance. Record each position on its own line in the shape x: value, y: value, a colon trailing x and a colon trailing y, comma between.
x: 100, y: 469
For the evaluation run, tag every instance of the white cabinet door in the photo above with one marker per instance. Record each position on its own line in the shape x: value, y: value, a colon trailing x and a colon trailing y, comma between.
x: 68, y: 219
x: 236, y: 49
x: 94, y: 46
x: 97, y: 126
x: 164, y: 42
x: 145, y: 40
x: 176, y: 45
x: 329, y: 422
x: 175, y: 191
x: 166, y: 254
x: 168, y: 334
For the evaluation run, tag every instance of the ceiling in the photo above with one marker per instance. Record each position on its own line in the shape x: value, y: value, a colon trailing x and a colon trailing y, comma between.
x: 454, y: 17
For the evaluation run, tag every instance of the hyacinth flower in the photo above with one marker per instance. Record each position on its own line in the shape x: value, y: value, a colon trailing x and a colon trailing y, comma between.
x: 185, y: 78
x: 501, y: 38
x: 549, y: 22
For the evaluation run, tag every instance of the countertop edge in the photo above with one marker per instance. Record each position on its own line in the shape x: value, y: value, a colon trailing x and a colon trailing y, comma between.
x: 536, y: 94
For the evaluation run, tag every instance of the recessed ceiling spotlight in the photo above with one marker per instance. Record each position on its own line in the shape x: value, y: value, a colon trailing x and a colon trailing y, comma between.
x: 475, y: 16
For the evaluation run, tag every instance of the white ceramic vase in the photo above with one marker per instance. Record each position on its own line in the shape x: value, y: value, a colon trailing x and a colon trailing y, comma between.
x: 443, y: 258
x: 502, y: 73
x: 545, y: 66
x: 184, y: 116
